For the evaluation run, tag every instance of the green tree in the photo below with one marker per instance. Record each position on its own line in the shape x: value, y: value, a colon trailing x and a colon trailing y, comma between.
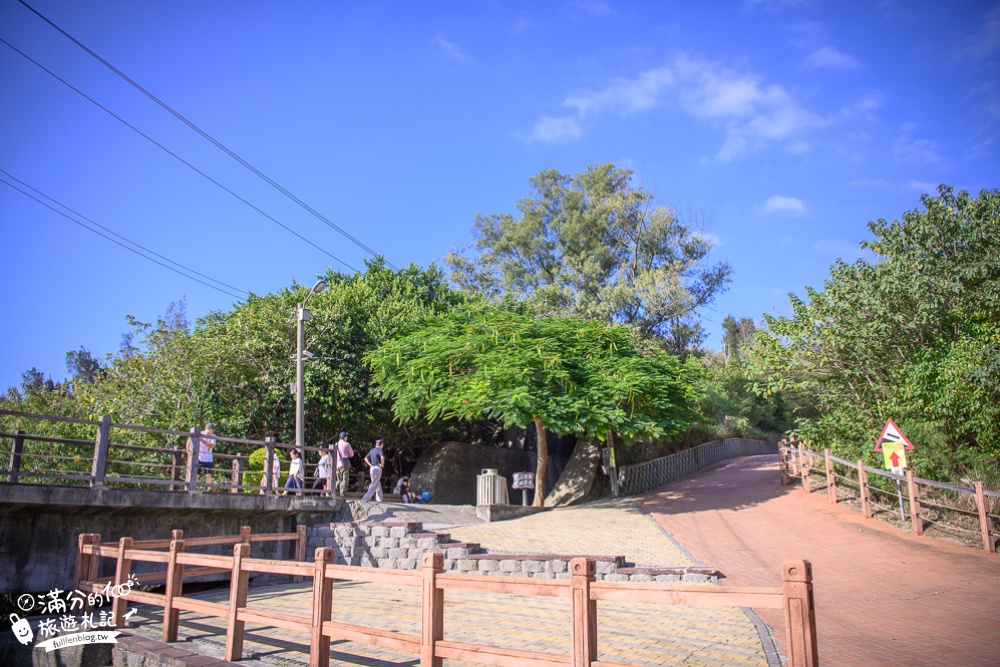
x: 594, y: 246
x: 913, y: 335
x: 564, y: 374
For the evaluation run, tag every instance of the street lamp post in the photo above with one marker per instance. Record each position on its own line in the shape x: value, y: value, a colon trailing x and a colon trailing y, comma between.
x: 301, y: 315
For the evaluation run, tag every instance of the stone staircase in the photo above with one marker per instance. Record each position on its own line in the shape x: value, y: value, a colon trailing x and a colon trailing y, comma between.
x: 402, y: 544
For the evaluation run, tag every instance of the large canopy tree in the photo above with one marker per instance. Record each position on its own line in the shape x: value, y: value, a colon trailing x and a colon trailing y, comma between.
x: 914, y: 335
x: 594, y: 246
x: 568, y: 375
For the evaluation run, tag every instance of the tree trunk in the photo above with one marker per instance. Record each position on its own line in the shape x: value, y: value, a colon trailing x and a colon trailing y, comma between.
x: 543, y: 464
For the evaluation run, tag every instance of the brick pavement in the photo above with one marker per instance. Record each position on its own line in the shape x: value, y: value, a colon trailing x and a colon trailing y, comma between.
x: 883, y: 597
x: 644, y: 634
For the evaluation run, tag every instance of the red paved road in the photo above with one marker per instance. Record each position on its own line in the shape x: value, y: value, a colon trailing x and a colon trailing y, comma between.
x: 882, y: 597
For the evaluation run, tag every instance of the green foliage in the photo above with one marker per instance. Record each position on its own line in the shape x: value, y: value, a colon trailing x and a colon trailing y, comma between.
x: 234, y: 368
x: 914, y: 336
x: 255, y: 468
x: 568, y: 375
x: 593, y: 246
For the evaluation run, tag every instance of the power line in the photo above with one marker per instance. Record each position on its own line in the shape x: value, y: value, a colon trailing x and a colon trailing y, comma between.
x: 113, y: 233
x: 168, y: 151
x: 116, y: 242
x: 176, y: 114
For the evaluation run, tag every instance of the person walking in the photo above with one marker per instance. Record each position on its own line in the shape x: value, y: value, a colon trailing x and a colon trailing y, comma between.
x: 344, y: 454
x: 294, y: 481
x: 205, y: 444
x: 322, y: 481
x: 375, y: 460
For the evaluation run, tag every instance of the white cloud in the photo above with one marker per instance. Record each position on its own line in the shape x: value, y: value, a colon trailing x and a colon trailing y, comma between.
x: 986, y: 41
x: 923, y: 187
x: 907, y: 149
x: 549, y: 129
x: 450, y: 49
x: 592, y: 7
x: 844, y: 250
x: 782, y: 204
x: 752, y: 114
x: 827, y: 57
x: 711, y: 237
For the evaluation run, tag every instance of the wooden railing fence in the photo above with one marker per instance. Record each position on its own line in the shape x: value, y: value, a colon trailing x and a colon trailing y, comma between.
x: 918, y: 494
x: 103, y: 462
x: 795, y: 596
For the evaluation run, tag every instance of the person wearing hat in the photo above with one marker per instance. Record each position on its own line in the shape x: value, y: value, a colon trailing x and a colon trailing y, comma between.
x: 344, y: 454
x: 206, y: 443
x: 375, y: 460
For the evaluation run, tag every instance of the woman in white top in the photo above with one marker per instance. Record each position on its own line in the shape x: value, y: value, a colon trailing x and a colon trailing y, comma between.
x: 275, y: 474
x: 294, y: 474
x: 322, y: 482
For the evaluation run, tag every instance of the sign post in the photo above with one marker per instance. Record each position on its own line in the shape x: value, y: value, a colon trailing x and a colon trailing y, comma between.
x: 893, y: 445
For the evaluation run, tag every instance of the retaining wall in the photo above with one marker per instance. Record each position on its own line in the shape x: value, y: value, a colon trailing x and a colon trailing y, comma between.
x: 643, y: 477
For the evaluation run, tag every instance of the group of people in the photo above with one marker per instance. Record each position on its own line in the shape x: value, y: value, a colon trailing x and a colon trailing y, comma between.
x: 336, y: 459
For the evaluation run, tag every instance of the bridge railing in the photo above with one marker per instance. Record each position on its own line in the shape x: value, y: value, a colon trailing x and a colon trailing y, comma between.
x: 795, y: 596
x: 968, y: 514
x: 100, y: 453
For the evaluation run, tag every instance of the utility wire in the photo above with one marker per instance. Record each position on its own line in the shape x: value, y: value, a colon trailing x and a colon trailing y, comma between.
x: 116, y: 242
x: 168, y: 151
x: 113, y: 233
x: 176, y: 114
x: 434, y: 296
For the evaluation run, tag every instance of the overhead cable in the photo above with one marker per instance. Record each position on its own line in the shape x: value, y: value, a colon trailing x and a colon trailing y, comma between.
x: 169, y: 152
x: 117, y: 235
x: 115, y: 241
x: 176, y: 114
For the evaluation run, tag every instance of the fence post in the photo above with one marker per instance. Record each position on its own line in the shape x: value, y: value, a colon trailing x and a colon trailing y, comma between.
x: 319, y: 644
x: 175, y: 469
x: 866, y: 510
x: 192, y: 454
x: 431, y: 609
x: 175, y: 581
x: 101, y: 444
x: 82, y: 559
x: 798, y: 461
x: 300, y: 548
x: 15, y: 456
x: 239, y: 465
x: 806, y: 466
x: 120, y: 604
x: 783, y: 462
x: 245, y: 535
x: 985, y: 525
x: 915, y: 520
x: 800, y: 614
x: 268, y: 463
x: 584, y: 634
x: 238, y: 582
x: 831, y: 484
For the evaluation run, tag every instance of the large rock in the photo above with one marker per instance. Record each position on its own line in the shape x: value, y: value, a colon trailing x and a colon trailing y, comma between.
x: 449, y: 469
x: 577, y: 479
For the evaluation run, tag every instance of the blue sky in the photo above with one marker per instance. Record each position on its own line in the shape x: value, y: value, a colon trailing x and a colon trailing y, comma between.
x: 782, y: 127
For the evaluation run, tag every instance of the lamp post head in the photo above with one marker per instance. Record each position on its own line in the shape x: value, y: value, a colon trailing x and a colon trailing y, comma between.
x: 319, y: 286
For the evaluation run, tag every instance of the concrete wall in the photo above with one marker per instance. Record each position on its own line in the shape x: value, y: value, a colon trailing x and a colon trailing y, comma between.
x: 39, y: 525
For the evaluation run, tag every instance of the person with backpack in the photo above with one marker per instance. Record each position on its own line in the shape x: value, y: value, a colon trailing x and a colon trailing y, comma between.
x: 344, y: 454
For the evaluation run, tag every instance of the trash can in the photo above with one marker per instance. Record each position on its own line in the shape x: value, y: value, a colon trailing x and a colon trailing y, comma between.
x: 491, y: 488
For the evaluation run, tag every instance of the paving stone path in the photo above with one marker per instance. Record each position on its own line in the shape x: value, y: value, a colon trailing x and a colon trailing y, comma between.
x: 883, y: 597
x: 643, y: 634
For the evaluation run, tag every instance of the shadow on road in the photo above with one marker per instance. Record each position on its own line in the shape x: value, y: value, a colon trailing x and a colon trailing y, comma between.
x: 732, y: 484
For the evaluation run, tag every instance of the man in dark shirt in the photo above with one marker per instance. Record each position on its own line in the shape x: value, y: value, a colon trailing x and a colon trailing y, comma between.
x: 375, y: 460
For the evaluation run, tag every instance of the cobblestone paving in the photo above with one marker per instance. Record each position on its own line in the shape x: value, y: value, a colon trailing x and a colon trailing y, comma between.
x: 609, y: 528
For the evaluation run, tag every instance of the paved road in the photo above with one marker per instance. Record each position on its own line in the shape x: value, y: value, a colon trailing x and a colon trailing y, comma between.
x: 882, y: 597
